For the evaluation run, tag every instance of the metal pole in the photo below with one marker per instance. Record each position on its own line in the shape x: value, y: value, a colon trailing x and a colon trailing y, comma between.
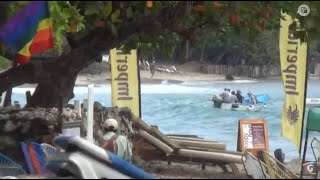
x: 90, y: 113
x: 60, y: 110
x: 304, y: 153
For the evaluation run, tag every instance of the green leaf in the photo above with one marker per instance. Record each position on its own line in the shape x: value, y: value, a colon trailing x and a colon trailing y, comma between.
x: 113, y: 29
x: 129, y: 12
x: 91, y: 9
x: 80, y: 26
x: 107, y: 8
x: 115, y: 15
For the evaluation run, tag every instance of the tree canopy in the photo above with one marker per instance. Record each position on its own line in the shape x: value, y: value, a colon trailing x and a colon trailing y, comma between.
x: 85, y: 29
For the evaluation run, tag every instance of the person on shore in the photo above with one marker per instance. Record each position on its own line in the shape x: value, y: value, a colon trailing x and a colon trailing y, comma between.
x: 234, y: 98
x: 252, y: 98
x: 152, y: 68
x: 115, y: 143
x: 239, y: 96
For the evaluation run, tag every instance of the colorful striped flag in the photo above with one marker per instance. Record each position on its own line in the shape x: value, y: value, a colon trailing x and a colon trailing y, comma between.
x: 29, y: 31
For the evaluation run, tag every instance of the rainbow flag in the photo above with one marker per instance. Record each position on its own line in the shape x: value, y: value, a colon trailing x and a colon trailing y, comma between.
x: 29, y: 31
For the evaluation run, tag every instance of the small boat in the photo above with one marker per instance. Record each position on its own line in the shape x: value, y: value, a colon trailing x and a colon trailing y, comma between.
x: 262, y: 101
x: 240, y: 107
x: 313, y: 101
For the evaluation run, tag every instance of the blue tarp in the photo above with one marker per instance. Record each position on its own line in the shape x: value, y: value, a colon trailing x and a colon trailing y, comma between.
x: 261, y: 99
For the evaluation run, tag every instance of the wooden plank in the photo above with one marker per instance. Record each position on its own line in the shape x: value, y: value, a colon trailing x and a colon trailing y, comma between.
x: 183, y: 136
x: 216, y: 150
x: 155, y: 142
x: 221, y: 157
x: 200, y: 144
x: 153, y: 131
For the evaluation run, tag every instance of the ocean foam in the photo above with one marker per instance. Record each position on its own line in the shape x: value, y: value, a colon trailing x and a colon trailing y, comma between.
x: 164, y: 88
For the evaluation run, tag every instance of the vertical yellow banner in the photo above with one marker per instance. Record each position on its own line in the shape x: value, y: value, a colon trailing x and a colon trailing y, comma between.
x: 125, y: 80
x: 293, y: 57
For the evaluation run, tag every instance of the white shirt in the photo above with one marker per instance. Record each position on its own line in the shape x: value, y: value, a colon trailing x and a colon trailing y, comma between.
x: 124, y: 146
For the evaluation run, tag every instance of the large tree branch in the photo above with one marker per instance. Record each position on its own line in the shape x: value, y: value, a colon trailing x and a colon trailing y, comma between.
x: 92, y: 47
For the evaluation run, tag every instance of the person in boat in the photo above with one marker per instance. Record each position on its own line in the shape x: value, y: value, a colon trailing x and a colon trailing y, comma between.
x: 234, y: 98
x: 239, y: 96
x: 226, y: 96
x: 252, y: 98
x: 115, y: 143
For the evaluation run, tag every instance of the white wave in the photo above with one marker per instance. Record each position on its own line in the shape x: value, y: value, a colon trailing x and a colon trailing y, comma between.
x: 165, y: 82
x: 175, y: 89
x: 145, y: 89
x: 238, y: 81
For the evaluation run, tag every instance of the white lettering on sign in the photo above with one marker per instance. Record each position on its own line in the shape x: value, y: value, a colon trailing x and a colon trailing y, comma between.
x: 247, y: 136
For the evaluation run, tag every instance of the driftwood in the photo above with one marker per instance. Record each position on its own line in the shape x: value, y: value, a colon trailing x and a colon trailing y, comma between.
x: 190, y: 139
x: 207, y: 144
x: 222, y: 157
x: 215, y: 150
x: 153, y: 131
x: 155, y: 142
x: 150, y: 153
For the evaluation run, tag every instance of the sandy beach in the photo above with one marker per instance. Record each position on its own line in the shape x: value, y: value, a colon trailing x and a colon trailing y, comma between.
x: 99, y: 73
x: 145, y: 77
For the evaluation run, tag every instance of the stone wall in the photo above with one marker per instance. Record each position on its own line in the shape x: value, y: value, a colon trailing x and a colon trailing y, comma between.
x: 245, y: 70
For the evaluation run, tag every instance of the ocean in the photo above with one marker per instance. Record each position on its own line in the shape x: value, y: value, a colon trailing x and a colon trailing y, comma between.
x: 185, y: 109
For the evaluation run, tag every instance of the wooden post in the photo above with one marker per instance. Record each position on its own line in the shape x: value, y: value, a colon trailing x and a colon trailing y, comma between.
x: 28, y: 97
x: 7, y: 99
x: 304, y: 154
x: 77, y: 107
x: 3, y: 98
x: 90, y: 113
x: 85, y: 105
x: 16, y: 105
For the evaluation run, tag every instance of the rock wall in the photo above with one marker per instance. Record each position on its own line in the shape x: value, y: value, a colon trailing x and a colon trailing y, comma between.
x: 246, y: 71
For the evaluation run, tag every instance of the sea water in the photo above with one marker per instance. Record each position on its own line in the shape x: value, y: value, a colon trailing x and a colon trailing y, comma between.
x: 185, y: 109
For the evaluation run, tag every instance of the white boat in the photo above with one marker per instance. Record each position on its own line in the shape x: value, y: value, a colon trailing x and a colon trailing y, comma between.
x: 262, y: 99
x: 313, y: 101
x: 240, y: 107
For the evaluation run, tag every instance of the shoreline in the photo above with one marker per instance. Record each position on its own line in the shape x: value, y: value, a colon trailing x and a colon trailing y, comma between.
x: 83, y: 80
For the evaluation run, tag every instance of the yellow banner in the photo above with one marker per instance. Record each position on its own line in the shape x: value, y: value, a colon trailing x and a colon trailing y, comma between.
x: 125, y: 80
x: 293, y: 57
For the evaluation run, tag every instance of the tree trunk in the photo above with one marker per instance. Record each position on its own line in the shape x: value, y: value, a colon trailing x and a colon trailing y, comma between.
x: 7, y: 98
x: 187, y: 50
x: 64, y: 69
x: 47, y: 94
x: 202, y: 52
x: 184, y: 52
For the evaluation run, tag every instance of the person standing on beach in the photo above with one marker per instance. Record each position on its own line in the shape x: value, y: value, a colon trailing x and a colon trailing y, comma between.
x: 152, y: 68
x: 117, y: 144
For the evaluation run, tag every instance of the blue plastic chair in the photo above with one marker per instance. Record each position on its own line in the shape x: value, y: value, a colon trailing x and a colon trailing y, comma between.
x: 8, y: 167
